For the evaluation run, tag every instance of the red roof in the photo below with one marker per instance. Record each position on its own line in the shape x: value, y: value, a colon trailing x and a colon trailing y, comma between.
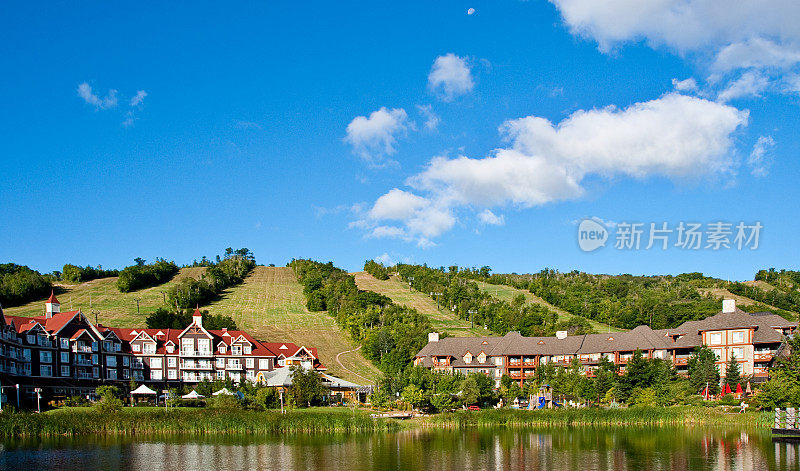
x: 52, y: 298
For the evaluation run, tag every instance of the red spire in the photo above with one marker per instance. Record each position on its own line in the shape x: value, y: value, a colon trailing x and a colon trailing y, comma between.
x: 52, y: 298
x: 197, y: 311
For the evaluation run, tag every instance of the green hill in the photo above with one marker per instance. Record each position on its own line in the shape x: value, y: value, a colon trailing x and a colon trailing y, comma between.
x: 270, y: 304
x: 102, y: 296
x: 441, y: 319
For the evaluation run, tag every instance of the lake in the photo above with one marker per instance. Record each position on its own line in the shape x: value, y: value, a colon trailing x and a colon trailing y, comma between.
x: 558, y: 449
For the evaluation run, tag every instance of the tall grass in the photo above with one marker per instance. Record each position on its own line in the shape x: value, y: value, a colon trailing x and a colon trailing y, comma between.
x: 640, y: 416
x: 152, y: 421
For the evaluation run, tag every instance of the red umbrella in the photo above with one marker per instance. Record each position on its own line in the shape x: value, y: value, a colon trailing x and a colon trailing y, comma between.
x: 739, y: 388
x: 705, y: 393
x: 728, y: 389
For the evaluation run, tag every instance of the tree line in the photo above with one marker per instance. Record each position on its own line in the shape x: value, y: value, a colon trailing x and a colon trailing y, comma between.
x: 20, y: 284
x: 229, y: 271
x: 142, y: 275
x: 391, y: 335
x: 376, y: 269
x: 455, y: 289
x: 77, y: 274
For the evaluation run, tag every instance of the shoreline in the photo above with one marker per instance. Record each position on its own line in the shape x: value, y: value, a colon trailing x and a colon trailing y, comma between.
x: 148, y: 422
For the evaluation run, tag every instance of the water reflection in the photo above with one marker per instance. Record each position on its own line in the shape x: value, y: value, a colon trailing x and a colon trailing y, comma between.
x: 551, y: 450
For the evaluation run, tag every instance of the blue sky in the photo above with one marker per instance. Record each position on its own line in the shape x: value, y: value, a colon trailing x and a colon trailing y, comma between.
x: 416, y: 132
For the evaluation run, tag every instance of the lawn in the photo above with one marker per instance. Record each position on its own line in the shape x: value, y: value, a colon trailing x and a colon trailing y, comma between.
x: 508, y: 293
x: 270, y: 304
x: 398, y: 291
x: 102, y: 297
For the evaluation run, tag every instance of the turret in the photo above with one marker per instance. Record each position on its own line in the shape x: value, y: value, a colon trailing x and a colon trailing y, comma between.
x: 51, y: 306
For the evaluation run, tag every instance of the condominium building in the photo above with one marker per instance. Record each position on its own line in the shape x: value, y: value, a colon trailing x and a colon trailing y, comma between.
x: 64, y: 354
x: 751, y: 338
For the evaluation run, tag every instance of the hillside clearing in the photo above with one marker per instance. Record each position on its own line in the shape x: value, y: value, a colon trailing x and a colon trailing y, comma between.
x: 102, y: 296
x: 270, y: 304
x: 398, y: 291
x: 508, y: 293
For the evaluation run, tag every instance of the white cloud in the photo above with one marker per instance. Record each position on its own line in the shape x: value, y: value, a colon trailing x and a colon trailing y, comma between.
x: 109, y: 101
x: 488, y: 217
x: 760, y: 157
x: 137, y: 99
x: 688, y: 85
x: 397, y: 205
x: 750, y: 83
x: 675, y: 136
x: 374, y: 137
x: 129, y: 119
x: 431, y: 118
x: 450, y: 76
x: 385, y: 259
x: 726, y: 36
x: 470, y: 11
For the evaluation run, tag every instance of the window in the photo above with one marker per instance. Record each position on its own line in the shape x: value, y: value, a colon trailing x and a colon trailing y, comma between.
x: 65, y: 343
x: 717, y: 352
x: 251, y: 363
x: 126, y: 374
x: 64, y: 357
x: 126, y: 361
x: 282, y: 362
x: 155, y: 363
x: 236, y: 350
x: 738, y: 352
x: 65, y: 371
x: 222, y: 348
x: 95, y: 358
x: 45, y: 356
x: 31, y: 339
x: 117, y: 347
x: 150, y: 348
x: 107, y: 346
x: 172, y: 374
x: 156, y: 374
x: 468, y: 358
x: 45, y: 370
x: 112, y: 374
x: 263, y: 364
x: 187, y: 345
x: 248, y: 350
x: 170, y: 348
x: 738, y: 337
x: 715, y: 338
x: 136, y: 347
x: 498, y: 361
x: 221, y: 374
x: 95, y: 347
x: 26, y: 353
x: 172, y: 361
x: 204, y: 345
x: 220, y: 363
x: 111, y: 360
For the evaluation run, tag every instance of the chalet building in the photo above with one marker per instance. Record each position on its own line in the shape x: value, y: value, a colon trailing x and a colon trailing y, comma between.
x: 752, y: 339
x: 65, y: 354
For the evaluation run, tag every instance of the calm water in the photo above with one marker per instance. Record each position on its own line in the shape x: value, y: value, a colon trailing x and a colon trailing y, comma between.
x: 551, y: 450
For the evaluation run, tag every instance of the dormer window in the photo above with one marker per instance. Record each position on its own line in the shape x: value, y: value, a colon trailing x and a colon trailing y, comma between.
x: 247, y: 350
x: 236, y: 350
x: 482, y: 358
x: 170, y: 348
x: 468, y: 358
x: 223, y: 348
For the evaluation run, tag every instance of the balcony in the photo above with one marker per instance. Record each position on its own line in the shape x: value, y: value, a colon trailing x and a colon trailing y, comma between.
x: 763, y: 356
x: 82, y: 362
x: 681, y: 360
x: 191, y: 365
x: 233, y: 366
x: 82, y: 349
x: 196, y: 353
x: 83, y: 375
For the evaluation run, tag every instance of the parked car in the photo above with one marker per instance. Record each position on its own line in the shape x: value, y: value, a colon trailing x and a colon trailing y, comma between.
x: 473, y: 408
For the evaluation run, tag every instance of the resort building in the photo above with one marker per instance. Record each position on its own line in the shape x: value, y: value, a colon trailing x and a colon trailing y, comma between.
x: 751, y: 338
x: 64, y: 354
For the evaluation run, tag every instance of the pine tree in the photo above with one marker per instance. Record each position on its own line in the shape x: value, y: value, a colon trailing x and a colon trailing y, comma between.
x: 703, y: 370
x: 732, y: 374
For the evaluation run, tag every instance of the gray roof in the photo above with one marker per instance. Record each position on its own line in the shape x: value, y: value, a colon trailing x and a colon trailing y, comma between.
x: 642, y: 338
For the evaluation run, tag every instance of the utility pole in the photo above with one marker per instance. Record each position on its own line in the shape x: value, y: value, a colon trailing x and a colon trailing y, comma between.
x: 472, y: 313
x: 410, y: 279
x: 137, y: 304
x: 437, y: 299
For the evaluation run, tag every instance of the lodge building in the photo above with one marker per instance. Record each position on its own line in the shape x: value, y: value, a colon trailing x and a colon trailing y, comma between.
x: 64, y: 354
x: 751, y: 338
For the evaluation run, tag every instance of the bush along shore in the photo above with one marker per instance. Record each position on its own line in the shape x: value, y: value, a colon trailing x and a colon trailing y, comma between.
x: 188, y: 421
x: 635, y: 416
x: 195, y: 422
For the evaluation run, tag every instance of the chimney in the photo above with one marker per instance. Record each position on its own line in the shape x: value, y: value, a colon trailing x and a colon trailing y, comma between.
x: 51, y: 306
x: 433, y: 337
x: 728, y: 305
x: 561, y: 334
